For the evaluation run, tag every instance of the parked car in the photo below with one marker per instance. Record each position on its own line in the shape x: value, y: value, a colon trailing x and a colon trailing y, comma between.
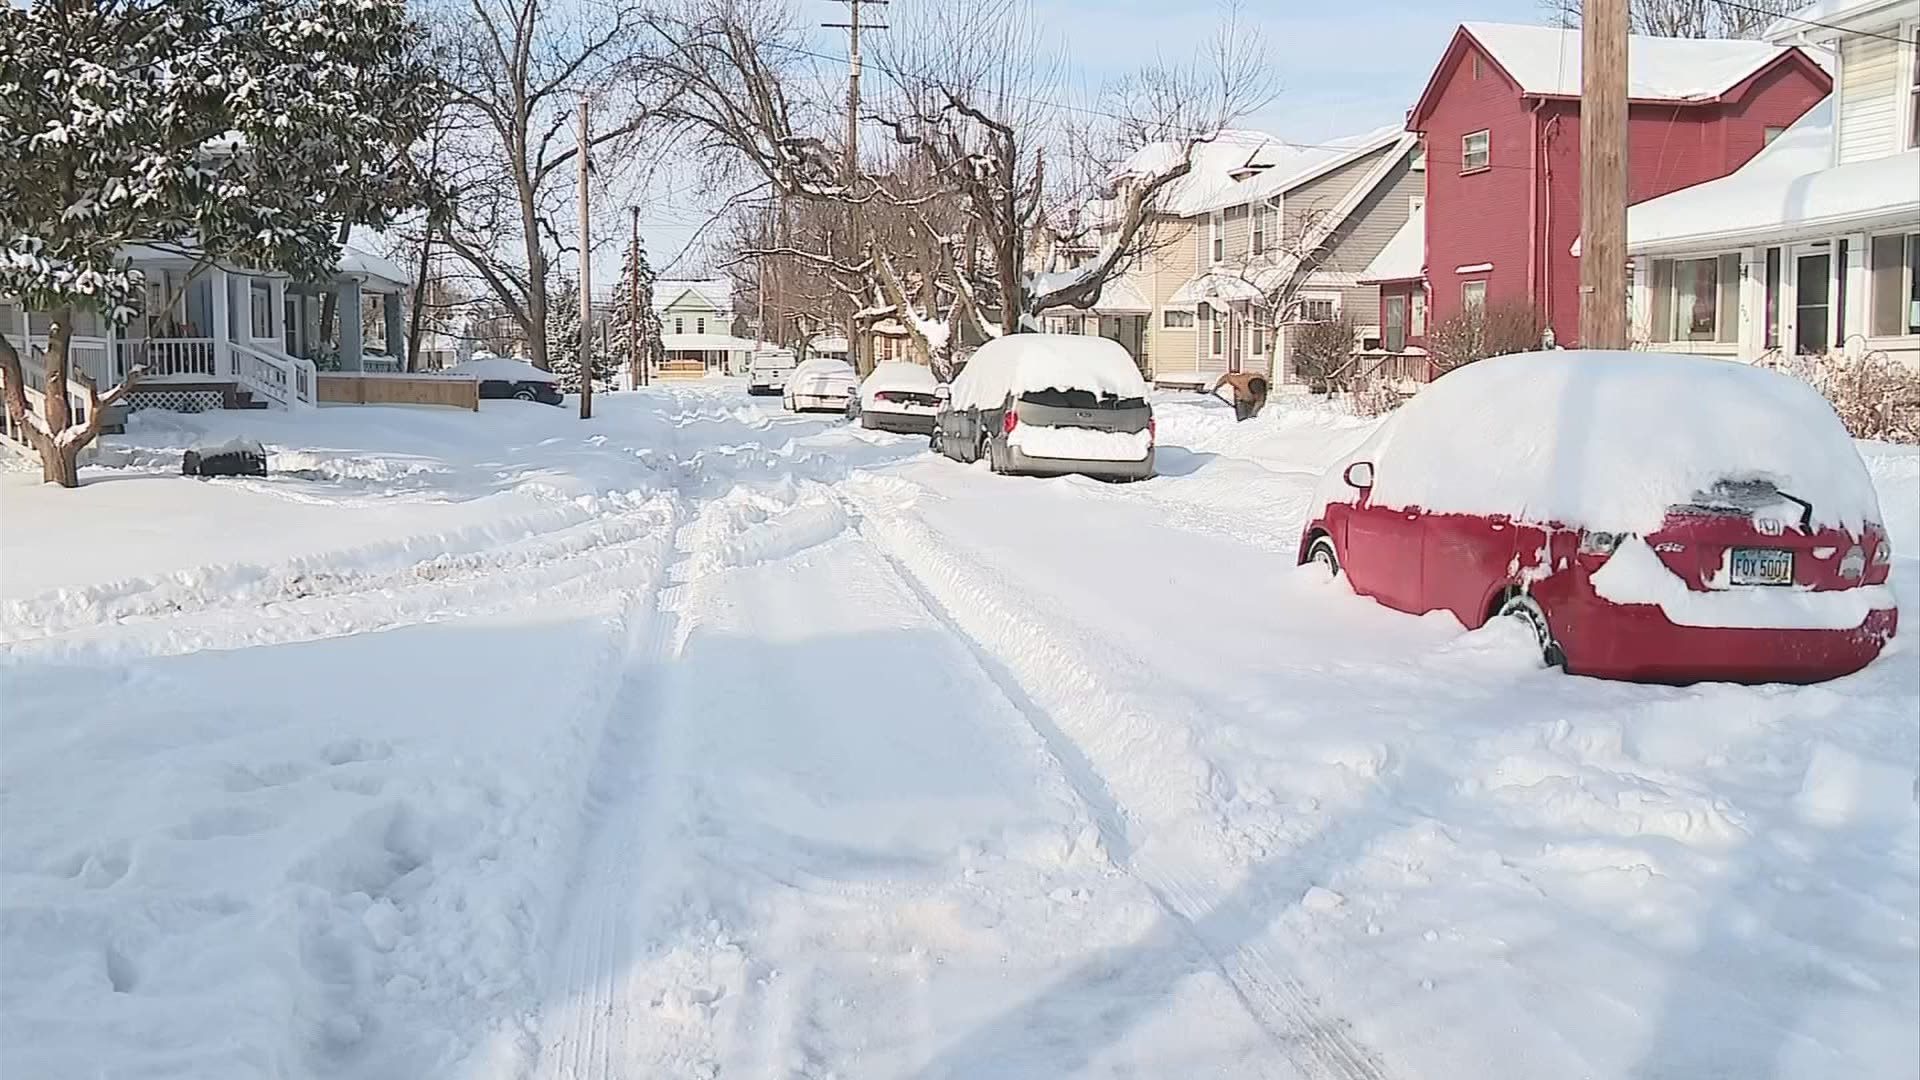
x: 768, y: 371
x: 504, y: 377
x: 897, y: 396
x: 1048, y: 405
x: 1648, y: 517
x: 821, y: 384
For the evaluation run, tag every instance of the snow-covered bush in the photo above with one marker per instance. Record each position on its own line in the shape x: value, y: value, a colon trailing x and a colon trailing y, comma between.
x: 1876, y: 396
x: 1476, y: 332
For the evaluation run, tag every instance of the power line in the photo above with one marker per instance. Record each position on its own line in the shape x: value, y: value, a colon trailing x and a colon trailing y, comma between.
x: 1737, y: 6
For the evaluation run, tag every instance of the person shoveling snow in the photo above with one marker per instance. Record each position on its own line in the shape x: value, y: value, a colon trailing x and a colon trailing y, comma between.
x: 1249, y: 393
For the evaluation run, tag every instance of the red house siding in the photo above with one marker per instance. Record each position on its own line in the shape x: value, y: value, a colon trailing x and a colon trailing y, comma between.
x: 1522, y: 214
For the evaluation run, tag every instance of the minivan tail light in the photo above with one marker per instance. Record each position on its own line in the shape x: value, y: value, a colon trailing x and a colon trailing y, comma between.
x: 1153, y: 430
x: 1008, y: 421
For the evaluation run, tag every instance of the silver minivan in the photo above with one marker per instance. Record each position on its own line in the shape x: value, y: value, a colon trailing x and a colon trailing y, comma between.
x: 1049, y: 405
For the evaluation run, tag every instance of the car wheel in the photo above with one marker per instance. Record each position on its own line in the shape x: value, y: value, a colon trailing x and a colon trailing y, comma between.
x: 524, y: 394
x: 1528, y: 610
x: 1321, y: 554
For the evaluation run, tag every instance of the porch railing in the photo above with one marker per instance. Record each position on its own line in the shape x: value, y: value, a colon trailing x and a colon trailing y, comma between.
x: 167, y: 357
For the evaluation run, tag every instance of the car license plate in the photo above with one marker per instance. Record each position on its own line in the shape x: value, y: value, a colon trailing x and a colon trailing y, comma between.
x: 1762, y: 566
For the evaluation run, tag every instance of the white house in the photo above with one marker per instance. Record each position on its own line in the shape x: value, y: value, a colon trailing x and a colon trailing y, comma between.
x: 694, y: 307
x: 1813, y: 245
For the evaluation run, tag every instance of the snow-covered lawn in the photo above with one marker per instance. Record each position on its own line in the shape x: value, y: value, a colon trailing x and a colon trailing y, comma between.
x: 702, y: 740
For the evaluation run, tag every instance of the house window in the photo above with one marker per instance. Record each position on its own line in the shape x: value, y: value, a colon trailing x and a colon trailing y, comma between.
x: 1696, y: 299
x: 1393, y: 316
x: 1417, y: 326
x: 1894, y: 285
x: 700, y: 326
x: 1476, y: 150
x: 260, y: 309
x: 1216, y: 330
x: 1217, y: 235
x: 1840, y: 295
x: 1913, y: 91
x: 1771, y: 335
x: 1259, y: 230
x: 1473, y: 294
x: 679, y: 326
x: 1419, y: 162
x: 1177, y: 320
x: 1319, y: 308
x: 1257, y: 324
x: 1770, y: 133
x: 289, y: 325
x: 1476, y: 67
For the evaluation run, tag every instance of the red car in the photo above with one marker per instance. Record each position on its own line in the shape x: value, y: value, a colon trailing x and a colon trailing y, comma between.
x: 1655, y: 518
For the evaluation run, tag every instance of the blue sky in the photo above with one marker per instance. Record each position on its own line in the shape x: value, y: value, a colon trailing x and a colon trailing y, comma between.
x: 1340, y: 67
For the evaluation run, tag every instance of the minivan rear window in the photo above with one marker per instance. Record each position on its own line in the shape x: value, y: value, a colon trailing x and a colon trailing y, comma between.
x: 1080, y: 399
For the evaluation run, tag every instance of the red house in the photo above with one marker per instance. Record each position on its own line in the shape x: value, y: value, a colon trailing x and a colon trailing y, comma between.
x: 1501, y: 124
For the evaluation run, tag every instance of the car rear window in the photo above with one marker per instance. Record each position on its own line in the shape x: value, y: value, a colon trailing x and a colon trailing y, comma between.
x: 1740, y: 497
x: 1080, y: 399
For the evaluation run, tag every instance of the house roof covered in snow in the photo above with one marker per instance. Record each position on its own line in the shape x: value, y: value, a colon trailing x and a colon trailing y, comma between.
x: 1788, y: 190
x: 1297, y: 165
x: 374, y: 269
x: 714, y: 293
x: 1544, y: 61
x: 1405, y: 256
x: 1806, y: 23
x: 1202, y: 288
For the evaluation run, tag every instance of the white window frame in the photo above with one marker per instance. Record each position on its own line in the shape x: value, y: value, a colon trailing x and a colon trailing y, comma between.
x: 1216, y: 331
x: 1417, y: 312
x: 1257, y: 230
x: 1217, y: 237
x: 679, y: 324
x: 1258, y: 329
x: 1909, y: 135
x: 1334, y: 299
x: 700, y: 325
x: 1167, y: 317
x: 1903, y: 272
x: 1486, y: 153
x: 1469, y: 303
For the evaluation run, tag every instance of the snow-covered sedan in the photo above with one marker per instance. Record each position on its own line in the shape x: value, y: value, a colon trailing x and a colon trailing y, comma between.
x: 505, y: 377
x: 1649, y: 517
x: 821, y: 384
x: 1048, y: 405
x: 897, y: 396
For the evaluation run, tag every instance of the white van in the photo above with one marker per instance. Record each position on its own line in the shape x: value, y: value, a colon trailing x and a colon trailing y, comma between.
x: 768, y: 371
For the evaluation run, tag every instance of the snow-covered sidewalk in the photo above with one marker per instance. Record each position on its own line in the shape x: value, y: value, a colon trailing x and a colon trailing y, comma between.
x: 704, y: 740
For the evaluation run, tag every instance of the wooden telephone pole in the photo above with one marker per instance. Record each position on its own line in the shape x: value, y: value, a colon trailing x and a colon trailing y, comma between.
x: 851, y: 165
x: 586, y: 278
x: 636, y: 358
x: 1603, y: 174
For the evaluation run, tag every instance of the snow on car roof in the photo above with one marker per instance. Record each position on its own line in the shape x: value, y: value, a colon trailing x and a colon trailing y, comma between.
x: 1022, y: 363
x: 818, y: 365
x: 502, y: 368
x: 1610, y: 440
x: 901, y: 375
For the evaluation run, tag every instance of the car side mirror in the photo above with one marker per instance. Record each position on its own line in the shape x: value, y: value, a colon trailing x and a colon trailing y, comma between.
x: 1360, y: 475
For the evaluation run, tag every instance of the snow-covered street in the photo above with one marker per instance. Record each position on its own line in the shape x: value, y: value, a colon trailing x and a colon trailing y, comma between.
x: 704, y: 740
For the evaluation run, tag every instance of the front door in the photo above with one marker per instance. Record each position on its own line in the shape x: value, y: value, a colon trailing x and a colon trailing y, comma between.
x: 1813, y: 304
x: 1395, y: 331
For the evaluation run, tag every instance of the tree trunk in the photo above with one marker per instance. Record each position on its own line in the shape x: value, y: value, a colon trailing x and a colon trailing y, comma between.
x: 330, y: 300
x: 419, y: 301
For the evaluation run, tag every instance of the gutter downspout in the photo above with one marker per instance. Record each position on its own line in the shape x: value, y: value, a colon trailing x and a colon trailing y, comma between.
x: 1533, y: 204
x: 1546, y: 241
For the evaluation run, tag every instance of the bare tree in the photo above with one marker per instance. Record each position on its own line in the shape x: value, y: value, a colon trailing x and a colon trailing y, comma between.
x: 1687, y: 18
x: 1474, y: 333
x: 515, y: 68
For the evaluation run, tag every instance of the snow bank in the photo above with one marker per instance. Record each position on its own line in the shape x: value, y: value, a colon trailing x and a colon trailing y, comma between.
x: 501, y: 368
x: 1635, y: 575
x: 1080, y: 444
x: 1023, y: 363
x: 897, y: 376
x: 1610, y: 440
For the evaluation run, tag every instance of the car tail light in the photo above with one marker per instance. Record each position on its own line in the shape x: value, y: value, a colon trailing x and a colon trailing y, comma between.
x: 1008, y: 421
x: 1599, y: 543
x: 1853, y: 565
x: 1153, y: 430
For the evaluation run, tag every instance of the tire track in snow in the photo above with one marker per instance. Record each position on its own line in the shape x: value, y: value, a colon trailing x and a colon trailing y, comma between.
x: 961, y: 600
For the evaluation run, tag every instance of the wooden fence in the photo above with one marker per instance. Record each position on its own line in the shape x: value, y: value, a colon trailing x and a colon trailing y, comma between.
x: 366, y: 388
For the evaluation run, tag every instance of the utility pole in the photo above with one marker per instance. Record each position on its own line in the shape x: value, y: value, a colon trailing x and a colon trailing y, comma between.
x: 586, y: 277
x: 1603, y: 174
x: 636, y: 360
x: 851, y: 166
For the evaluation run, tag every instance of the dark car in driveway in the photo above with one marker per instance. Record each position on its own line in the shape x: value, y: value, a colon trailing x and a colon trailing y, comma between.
x: 501, y: 377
